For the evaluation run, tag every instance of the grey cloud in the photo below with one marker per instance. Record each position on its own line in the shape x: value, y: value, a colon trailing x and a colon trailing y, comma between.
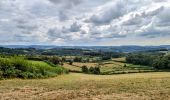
x: 154, y: 34
x: 54, y: 34
x: 154, y: 31
x: 63, y: 16
x: 138, y: 18
x: 116, y: 10
x: 160, y: 25
x: 75, y: 27
x: 82, y: 20
x: 164, y: 17
x: 75, y: 2
x: 27, y: 27
x: 67, y: 4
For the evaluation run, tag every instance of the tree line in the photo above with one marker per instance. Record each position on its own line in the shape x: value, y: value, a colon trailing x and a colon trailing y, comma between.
x: 156, y: 61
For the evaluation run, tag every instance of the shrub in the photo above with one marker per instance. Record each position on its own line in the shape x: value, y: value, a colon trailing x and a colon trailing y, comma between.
x: 94, y: 70
x: 91, y: 70
x: 78, y: 59
x: 26, y: 75
x: 55, y: 60
x: 1, y: 74
x: 21, y: 68
x: 70, y: 62
x: 84, y: 69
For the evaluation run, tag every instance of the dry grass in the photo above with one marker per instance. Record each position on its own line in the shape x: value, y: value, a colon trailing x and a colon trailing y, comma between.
x: 86, y: 64
x: 123, y: 59
x: 76, y: 66
x: 139, y: 86
x: 72, y: 67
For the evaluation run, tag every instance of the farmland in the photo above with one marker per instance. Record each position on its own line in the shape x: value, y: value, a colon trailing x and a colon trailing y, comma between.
x: 113, y: 66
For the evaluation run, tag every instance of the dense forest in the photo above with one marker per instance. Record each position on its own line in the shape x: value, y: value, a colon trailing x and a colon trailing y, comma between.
x: 158, y: 61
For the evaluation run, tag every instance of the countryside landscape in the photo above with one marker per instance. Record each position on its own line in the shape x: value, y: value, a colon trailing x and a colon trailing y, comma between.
x: 84, y: 50
x: 60, y: 73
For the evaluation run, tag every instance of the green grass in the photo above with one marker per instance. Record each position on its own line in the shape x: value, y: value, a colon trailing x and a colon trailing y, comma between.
x: 138, y: 86
x: 39, y: 63
x: 21, y: 68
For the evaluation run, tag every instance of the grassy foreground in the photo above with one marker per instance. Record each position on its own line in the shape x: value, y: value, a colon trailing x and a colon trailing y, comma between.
x: 77, y: 86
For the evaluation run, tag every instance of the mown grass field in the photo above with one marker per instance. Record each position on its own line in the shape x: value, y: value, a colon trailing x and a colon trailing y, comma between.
x: 77, y: 86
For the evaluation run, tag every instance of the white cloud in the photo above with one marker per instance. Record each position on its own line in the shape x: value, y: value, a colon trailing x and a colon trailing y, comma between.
x: 83, y: 22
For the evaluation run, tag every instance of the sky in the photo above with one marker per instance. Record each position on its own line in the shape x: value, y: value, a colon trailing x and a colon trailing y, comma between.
x: 85, y: 22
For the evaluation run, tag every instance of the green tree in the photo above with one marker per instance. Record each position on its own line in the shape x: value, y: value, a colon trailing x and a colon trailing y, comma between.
x: 84, y: 69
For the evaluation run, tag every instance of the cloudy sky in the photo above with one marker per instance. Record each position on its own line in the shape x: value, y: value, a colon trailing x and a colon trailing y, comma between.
x: 85, y: 22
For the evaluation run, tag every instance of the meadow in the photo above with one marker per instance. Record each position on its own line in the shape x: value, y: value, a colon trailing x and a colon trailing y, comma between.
x: 78, y: 86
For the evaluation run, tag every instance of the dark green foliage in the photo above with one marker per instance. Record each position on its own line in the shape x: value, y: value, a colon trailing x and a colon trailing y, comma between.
x: 91, y: 70
x: 162, y: 62
x: 78, y: 59
x: 104, y: 54
x: 70, y: 62
x: 85, y: 69
x: 106, y: 57
x: 55, y: 60
x: 124, y: 65
x: 156, y: 61
x: 21, y: 68
x: 141, y: 59
x: 94, y: 70
x: 63, y: 59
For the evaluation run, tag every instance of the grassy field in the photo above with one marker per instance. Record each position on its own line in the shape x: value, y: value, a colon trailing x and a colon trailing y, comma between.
x: 77, y: 86
x: 42, y: 63
x: 113, y: 66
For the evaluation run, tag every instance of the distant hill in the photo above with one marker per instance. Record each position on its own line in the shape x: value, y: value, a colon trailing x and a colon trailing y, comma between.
x: 130, y: 48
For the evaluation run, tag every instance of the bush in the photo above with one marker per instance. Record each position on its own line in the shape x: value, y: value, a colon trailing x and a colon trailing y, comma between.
x: 21, y: 68
x: 26, y: 75
x: 78, y: 59
x: 1, y: 74
x: 70, y: 62
x: 106, y: 57
x: 55, y: 60
x: 94, y: 70
x: 84, y: 69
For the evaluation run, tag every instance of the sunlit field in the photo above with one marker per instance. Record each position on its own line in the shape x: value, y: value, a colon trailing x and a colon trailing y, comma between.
x: 138, y: 86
